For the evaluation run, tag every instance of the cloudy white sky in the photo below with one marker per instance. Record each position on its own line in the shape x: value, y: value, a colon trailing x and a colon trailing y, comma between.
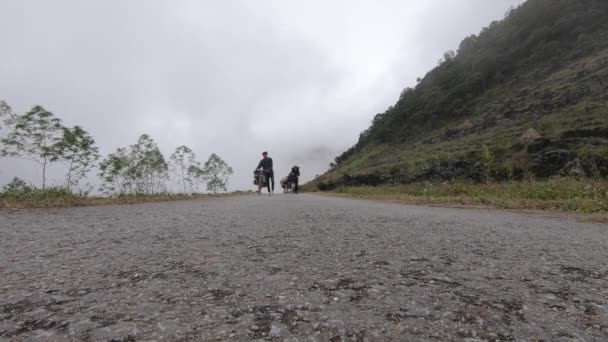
x: 300, y: 79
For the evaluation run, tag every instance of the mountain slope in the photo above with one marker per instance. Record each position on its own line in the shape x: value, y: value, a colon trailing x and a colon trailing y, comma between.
x: 526, y: 97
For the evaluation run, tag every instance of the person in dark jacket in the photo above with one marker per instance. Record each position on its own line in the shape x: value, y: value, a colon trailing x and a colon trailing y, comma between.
x: 266, y: 164
x: 294, y: 176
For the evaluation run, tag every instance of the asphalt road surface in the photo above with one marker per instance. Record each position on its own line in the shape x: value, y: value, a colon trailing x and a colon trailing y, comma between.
x: 300, y: 268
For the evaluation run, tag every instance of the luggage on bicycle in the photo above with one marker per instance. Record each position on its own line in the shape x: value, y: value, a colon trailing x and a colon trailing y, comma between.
x: 259, y: 178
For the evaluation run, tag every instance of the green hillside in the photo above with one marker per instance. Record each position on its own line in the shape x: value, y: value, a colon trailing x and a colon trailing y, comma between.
x: 527, y: 97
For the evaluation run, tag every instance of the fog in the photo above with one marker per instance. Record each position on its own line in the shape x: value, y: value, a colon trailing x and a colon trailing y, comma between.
x: 298, y: 79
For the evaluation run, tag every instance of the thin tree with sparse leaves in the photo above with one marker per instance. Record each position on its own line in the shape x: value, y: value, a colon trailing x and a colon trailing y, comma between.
x: 115, y: 173
x: 195, y: 173
x: 34, y: 136
x: 182, y: 162
x: 6, y: 118
x: 140, y: 169
x: 149, y: 169
x: 216, y: 173
x: 78, y: 150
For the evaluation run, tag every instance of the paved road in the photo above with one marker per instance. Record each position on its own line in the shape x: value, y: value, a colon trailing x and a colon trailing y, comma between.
x: 303, y: 267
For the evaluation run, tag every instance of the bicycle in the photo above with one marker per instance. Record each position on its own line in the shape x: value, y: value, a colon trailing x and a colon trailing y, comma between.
x: 259, y: 179
x: 288, y: 185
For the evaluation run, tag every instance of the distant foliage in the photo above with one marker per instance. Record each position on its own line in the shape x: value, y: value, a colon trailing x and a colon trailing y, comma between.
x: 78, y: 151
x: 217, y: 173
x: 140, y: 169
x: 150, y: 168
x: 34, y: 136
x: 115, y: 172
x: 183, y: 163
x: 17, y: 194
x: 40, y: 136
x: 6, y: 118
x: 488, y: 160
x: 17, y: 185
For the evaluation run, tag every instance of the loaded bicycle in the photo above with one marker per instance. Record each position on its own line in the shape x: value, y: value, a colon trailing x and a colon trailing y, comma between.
x: 260, y: 178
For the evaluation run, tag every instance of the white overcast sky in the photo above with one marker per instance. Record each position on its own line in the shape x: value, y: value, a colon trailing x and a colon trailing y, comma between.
x: 300, y: 79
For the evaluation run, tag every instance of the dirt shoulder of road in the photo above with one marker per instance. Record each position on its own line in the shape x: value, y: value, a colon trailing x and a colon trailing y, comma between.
x: 518, y: 206
x: 77, y: 201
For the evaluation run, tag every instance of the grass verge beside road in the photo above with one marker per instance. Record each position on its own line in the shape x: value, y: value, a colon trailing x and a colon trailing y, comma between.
x: 58, y: 198
x: 567, y: 195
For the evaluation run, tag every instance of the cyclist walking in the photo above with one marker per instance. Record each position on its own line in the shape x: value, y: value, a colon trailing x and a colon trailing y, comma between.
x: 266, y: 165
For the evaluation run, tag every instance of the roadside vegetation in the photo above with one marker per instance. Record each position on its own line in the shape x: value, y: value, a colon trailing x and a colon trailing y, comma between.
x: 133, y: 174
x: 18, y: 195
x: 568, y: 195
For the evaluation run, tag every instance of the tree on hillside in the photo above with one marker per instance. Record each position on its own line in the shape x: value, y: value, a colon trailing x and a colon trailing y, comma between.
x: 77, y: 149
x: 34, y: 136
x: 183, y: 163
x: 149, y: 166
x: 216, y: 172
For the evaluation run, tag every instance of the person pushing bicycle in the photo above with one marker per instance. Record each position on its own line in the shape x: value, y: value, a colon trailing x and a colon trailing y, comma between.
x: 266, y: 165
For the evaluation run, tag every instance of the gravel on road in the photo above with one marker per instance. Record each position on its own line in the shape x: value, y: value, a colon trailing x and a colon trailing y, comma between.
x: 300, y: 268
